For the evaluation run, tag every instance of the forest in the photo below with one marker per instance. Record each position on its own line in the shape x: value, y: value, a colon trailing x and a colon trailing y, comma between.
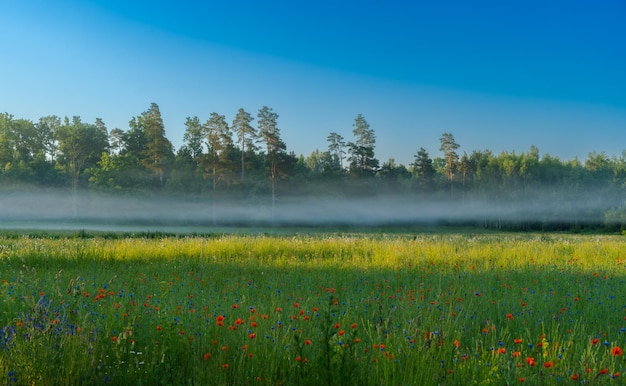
x: 228, y: 168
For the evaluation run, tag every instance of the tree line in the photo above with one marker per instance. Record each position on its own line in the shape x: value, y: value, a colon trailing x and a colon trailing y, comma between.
x: 247, y: 160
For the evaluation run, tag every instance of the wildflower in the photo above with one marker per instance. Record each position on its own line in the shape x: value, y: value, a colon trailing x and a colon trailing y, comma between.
x: 516, y: 354
x: 353, y: 326
x: 224, y: 348
x: 207, y: 356
x: 114, y: 339
x: 616, y: 351
x: 575, y: 377
x: 337, y: 325
x: 456, y: 343
x: 307, y: 342
x: 341, y: 332
x: 522, y: 380
x: 603, y: 371
x: 252, y: 336
x: 517, y: 341
x: 615, y: 375
x: 509, y: 316
x: 595, y: 341
x: 225, y: 366
x: 530, y: 361
x: 296, y: 305
x: 548, y: 364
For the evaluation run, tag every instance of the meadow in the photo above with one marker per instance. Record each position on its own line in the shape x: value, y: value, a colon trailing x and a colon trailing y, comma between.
x: 313, y: 309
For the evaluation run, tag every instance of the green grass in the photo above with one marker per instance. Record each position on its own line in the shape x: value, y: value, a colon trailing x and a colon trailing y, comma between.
x: 331, y: 309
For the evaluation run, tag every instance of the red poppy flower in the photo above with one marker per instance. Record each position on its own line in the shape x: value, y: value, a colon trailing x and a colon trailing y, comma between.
x: 616, y: 351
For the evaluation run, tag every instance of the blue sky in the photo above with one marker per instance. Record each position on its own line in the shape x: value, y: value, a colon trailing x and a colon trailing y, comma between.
x: 497, y: 75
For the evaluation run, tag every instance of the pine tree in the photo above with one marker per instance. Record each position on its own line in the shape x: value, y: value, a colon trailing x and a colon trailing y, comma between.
x: 362, y: 160
x: 268, y: 130
x: 247, y: 136
x: 424, y: 170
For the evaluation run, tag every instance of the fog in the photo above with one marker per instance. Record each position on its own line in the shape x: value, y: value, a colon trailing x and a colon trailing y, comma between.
x: 58, y: 210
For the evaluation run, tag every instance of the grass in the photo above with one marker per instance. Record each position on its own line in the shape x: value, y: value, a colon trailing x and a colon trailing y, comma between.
x: 332, y: 309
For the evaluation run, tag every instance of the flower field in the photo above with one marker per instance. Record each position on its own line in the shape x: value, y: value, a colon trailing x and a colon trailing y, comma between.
x: 369, y: 309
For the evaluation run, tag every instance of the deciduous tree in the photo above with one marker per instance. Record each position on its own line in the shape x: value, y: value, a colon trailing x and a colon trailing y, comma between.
x: 448, y: 147
x: 81, y: 145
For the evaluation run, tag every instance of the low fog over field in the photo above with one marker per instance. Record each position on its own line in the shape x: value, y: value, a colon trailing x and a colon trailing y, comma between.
x: 56, y: 209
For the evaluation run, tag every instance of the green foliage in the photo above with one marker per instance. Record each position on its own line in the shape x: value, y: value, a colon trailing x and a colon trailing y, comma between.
x: 362, y: 159
x: 210, y: 166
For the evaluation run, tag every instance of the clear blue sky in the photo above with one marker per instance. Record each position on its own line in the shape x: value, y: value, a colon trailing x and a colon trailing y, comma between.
x: 498, y: 75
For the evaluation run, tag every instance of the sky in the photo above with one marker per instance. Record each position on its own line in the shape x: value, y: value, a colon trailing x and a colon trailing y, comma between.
x: 498, y: 75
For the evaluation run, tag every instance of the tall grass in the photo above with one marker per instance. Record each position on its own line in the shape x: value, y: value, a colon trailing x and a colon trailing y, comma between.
x: 325, y: 309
